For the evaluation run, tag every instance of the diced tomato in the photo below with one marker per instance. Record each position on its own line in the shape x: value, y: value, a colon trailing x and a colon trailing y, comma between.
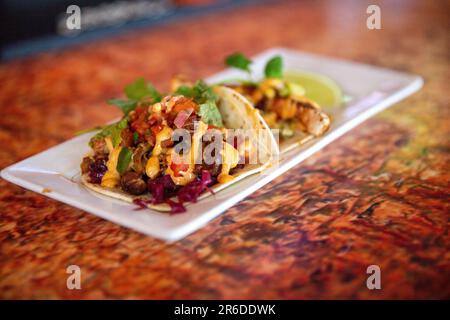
x: 138, y: 120
x: 150, y: 138
x: 153, y: 119
x: 183, y: 104
x: 156, y: 129
x: 127, y: 137
x: 167, y: 143
x: 138, y: 111
x: 139, y: 127
x: 179, y: 167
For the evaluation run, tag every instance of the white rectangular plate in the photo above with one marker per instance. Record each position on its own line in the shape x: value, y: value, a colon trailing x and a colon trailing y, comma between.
x: 372, y: 89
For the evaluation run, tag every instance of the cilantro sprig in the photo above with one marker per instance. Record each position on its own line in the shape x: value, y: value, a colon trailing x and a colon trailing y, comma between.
x: 125, y: 105
x: 273, y: 68
x: 124, y: 160
x: 139, y: 89
x: 203, y: 94
x: 135, y: 92
x: 200, y: 92
x: 113, y: 130
x: 239, y: 61
x: 210, y: 114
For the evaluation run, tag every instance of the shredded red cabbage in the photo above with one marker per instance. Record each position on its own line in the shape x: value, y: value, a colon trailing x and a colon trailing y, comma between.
x: 97, y: 170
x: 175, y: 207
x: 163, y: 188
x: 191, y: 191
x: 141, y: 204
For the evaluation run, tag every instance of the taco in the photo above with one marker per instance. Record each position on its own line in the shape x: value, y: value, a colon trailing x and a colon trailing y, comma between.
x: 282, y: 104
x: 155, y: 156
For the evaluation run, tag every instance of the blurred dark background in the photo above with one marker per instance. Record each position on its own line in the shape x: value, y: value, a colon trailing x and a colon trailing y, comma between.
x: 29, y: 26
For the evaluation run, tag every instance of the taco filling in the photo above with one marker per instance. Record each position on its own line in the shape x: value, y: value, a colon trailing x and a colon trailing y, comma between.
x: 154, y: 154
x: 284, y: 107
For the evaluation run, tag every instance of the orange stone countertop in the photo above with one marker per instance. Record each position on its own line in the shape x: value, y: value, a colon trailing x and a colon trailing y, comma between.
x: 378, y: 195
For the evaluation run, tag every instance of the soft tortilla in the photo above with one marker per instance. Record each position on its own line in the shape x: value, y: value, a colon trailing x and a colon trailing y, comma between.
x: 117, y: 193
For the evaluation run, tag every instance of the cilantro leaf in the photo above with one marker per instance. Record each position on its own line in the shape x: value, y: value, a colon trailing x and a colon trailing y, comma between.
x: 136, y: 90
x: 116, y: 137
x: 239, y: 61
x: 135, y: 137
x: 140, y: 89
x: 124, y: 160
x: 203, y: 94
x: 210, y: 114
x: 152, y: 92
x: 274, y: 68
x: 125, y: 105
x: 79, y: 133
x: 185, y: 91
x: 200, y: 92
x: 113, y: 130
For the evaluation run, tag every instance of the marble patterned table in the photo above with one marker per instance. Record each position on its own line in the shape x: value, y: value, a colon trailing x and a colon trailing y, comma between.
x: 378, y: 195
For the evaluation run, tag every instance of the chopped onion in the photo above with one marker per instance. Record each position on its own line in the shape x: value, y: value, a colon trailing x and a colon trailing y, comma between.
x: 181, y: 117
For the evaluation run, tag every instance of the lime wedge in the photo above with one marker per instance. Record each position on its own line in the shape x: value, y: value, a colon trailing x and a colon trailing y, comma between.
x: 318, y: 88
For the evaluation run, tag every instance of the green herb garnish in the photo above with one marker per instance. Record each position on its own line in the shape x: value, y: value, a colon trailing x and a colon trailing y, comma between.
x: 184, y: 91
x: 200, y: 92
x: 203, y: 94
x: 116, y: 132
x: 135, y: 92
x: 113, y: 130
x: 135, y: 137
x: 125, y: 105
x: 124, y: 160
x: 139, y: 89
x: 79, y: 133
x: 274, y: 68
x: 239, y: 61
x: 210, y: 114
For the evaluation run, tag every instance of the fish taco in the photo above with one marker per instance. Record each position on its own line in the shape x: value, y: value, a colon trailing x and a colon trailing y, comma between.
x: 282, y: 103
